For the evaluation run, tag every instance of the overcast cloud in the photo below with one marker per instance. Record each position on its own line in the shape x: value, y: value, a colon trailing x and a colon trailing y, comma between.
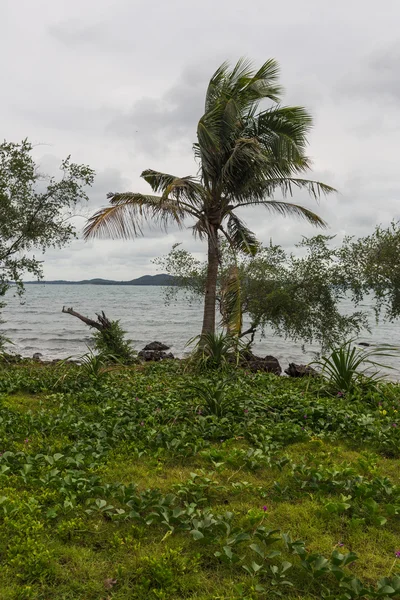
x: 119, y: 85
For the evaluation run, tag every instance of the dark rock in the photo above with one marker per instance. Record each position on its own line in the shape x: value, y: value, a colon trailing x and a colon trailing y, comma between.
x: 294, y: 370
x: 37, y: 356
x: 364, y: 344
x: 155, y: 351
x: 154, y: 355
x: 156, y: 346
x: 268, y: 364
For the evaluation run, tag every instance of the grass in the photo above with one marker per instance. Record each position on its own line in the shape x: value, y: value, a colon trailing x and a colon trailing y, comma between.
x: 125, y: 488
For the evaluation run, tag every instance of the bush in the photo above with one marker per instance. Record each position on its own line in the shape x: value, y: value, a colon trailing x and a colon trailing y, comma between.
x: 347, y: 366
x: 111, y: 342
x: 215, y: 351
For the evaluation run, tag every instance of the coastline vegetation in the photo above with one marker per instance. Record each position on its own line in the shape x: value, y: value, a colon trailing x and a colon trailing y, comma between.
x: 157, y: 481
x: 201, y: 479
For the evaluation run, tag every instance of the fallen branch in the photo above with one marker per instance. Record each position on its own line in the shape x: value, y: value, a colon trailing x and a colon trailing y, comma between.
x: 101, y: 323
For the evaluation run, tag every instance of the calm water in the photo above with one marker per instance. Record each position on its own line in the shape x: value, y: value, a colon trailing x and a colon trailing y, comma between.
x: 38, y: 325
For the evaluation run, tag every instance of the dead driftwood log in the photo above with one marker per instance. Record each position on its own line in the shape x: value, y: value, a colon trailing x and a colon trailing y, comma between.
x: 101, y: 324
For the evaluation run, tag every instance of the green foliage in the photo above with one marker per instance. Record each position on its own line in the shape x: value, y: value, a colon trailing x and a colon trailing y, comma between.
x: 298, y: 297
x: 34, y: 210
x: 348, y: 366
x: 214, y: 351
x: 110, y: 342
x: 213, y: 397
x: 189, y: 273
x: 119, y: 487
x: 371, y: 262
x: 231, y: 303
x: 163, y: 576
x: 95, y: 366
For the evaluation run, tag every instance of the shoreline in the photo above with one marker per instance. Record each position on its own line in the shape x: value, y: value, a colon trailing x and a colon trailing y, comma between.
x: 16, y: 358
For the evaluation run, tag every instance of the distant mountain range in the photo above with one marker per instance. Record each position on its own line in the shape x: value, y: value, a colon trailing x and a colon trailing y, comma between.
x: 161, y: 279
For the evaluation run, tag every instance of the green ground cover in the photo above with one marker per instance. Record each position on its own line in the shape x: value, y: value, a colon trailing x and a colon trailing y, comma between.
x: 152, y: 482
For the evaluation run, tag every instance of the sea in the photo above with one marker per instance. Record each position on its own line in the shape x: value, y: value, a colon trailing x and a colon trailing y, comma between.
x: 36, y: 323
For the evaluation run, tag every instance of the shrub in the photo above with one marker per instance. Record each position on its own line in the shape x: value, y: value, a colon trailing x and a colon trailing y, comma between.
x: 213, y: 397
x: 111, y: 342
x: 348, y: 366
x: 214, y: 351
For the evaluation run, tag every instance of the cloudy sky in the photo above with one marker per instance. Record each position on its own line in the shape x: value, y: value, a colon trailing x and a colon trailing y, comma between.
x: 119, y: 85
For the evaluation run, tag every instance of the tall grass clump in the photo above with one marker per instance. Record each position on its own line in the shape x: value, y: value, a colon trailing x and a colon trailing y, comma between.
x: 347, y: 366
x: 214, y: 351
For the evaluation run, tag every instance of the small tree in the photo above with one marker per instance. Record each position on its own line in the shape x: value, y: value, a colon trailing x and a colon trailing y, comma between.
x: 34, y: 210
x: 372, y: 265
x: 298, y: 297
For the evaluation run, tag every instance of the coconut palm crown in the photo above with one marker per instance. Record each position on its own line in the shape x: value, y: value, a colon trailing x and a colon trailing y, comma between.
x: 246, y: 154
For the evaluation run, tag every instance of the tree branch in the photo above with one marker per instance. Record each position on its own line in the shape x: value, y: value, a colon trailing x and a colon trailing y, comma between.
x: 101, y: 323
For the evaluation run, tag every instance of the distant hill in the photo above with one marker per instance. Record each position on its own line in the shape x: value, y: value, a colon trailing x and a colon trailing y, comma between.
x: 161, y: 279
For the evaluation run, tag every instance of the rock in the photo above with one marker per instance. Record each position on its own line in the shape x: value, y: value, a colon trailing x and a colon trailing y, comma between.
x: 37, y: 356
x: 294, y: 370
x: 156, y: 347
x: 364, y: 344
x: 268, y: 364
x: 155, y: 352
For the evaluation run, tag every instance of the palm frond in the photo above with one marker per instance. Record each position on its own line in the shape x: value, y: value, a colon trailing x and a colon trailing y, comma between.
x: 240, y: 237
x: 259, y: 190
x: 200, y: 229
x: 158, y: 181
x: 243, y: 159
x: 231, y: 97
x: 207, y: 149
x: 288, y: 209
x: 315, y: 188
x: 181, y: 188
x: 249, y: 86
x: 214, y: 87
x: 290, y: 123
x: 282, y: 136
x: 128, y: 213
x: 231, y: 303
x: 241, y: 72
x: 262, y: 84
x: 231, y: 121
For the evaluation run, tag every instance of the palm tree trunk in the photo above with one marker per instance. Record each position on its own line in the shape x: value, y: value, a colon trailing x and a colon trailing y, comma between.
x: 211, y: 285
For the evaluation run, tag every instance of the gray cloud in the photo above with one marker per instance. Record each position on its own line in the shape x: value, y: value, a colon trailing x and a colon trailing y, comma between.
x: 120, y: 86
x: 379, y: 78
x: 72, y: 32
x: 156, y: 124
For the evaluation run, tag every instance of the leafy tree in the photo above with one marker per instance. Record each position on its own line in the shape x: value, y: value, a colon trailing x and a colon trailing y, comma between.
x: 246, y: 153
x: 297, y: 296
x: 372, y: 264
x: 34, y: 210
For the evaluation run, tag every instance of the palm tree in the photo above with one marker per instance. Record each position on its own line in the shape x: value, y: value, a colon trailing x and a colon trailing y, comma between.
x: 245, y: 155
